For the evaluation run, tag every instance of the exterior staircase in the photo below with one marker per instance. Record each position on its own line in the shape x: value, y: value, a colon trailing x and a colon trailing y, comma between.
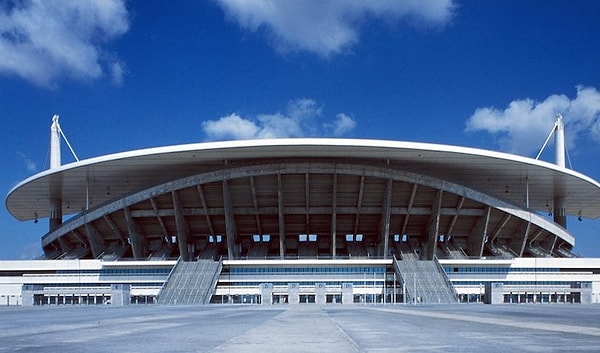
x: 191, y: 282
x: 425, y: 281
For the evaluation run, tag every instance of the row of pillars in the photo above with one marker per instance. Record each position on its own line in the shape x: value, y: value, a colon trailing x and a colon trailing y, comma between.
x: 293, y: 293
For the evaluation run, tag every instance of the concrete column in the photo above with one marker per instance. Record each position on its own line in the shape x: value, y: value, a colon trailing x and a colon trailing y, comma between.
x: 230, y: 225
x: 27, y: 292
x: 334, y: 217
x: 385, y: 218
x: 560, y: 211
x: 266, y: 293
x: 182, y: 228
x: 320, y: 293
x: 281, y: 217
x: 494, y: 293
x: 434, y: 226
x: 55, y: 208
x: 586, y: 293
x: 294, y: 293
x: 347, y: 294
x: 120, y: 294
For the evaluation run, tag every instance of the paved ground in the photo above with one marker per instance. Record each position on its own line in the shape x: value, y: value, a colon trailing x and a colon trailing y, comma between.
x: 304, y: 328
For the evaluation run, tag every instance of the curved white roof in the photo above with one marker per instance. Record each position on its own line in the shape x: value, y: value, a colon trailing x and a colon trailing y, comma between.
x: 505, y: 176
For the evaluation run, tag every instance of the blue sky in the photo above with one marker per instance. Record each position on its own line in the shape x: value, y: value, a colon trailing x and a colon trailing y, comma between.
x: 127, y: 75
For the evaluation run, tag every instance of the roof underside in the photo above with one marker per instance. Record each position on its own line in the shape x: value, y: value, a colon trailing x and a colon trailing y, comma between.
x: 393, y: 211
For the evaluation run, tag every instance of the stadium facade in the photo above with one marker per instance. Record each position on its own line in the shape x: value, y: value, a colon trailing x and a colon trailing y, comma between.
x: 304, y: 221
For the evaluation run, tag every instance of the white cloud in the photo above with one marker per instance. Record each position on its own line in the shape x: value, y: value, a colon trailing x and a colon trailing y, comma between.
x: 523, y: 126
x: 117, y: 71
x: 44, y: 40
x: 342, y: 124
x: 29, y: 164
x: 230, y: 127
x: 327, y: 27
x: 301, y: 119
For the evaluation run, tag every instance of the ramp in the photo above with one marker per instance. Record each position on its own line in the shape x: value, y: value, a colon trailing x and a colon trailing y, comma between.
x: 191, y: 282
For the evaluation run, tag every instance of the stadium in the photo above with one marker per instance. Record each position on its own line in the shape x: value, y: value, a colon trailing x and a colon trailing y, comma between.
x: 301, y: 221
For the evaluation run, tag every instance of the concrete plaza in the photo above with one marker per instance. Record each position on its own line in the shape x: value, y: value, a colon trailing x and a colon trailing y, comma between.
x: 303, y: 328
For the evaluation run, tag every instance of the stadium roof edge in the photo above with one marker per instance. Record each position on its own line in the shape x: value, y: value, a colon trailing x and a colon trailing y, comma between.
x: 467, y: 160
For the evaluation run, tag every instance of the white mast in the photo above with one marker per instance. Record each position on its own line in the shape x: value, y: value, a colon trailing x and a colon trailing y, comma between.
x: 55, y: 199
x: 560, y: 204
x: 55, y: 160
x: 559, y: 141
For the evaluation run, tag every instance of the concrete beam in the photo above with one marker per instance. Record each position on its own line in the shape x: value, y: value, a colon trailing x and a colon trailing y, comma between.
x: 478, y: 236
x: 345, y: 210
x: 255, y: 203
x: 522, y: 242
x: 361, y: 189
x: 409, y: 207
x: 115, y: 229
x: 136, y: 239
x: 159, y: 218
x: 64, y: 244
x: 79, y: 237
x: 500, y: 227
x: 205, y: 208
x: 96, y: 242
x: 459, y: 207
